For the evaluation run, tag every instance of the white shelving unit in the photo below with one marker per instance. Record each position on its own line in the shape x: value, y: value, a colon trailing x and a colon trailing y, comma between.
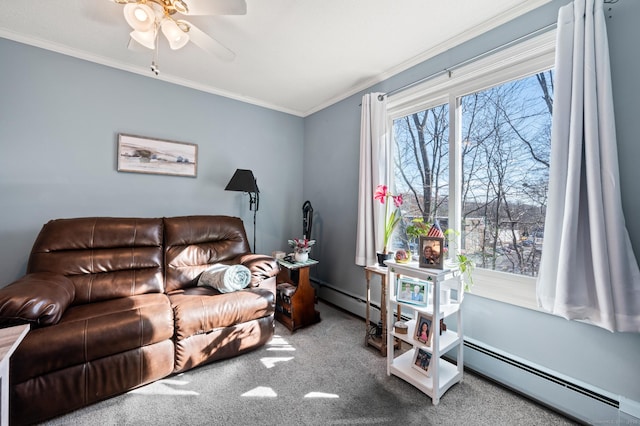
x: 443, y: 374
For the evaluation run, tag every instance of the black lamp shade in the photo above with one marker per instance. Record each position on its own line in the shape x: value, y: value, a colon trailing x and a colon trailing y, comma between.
x: 243, y: 180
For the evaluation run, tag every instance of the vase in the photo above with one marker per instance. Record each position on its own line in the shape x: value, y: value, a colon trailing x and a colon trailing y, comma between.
x: 382, y: 257
x: 301, y: 257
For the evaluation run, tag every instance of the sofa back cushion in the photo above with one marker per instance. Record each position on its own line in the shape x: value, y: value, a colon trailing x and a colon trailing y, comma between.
x: 193, y: 243
x: 104, y: 257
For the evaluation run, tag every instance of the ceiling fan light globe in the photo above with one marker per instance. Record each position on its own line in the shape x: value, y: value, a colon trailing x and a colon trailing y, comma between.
x: 145, y: 38
x: 175, y: 36
x: 140, y: 17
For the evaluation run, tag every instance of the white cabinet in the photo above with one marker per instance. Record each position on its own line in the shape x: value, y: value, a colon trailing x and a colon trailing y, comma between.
x: 445, y: 294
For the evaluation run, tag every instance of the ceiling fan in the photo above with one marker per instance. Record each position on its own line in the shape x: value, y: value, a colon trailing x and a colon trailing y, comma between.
x: 148, y: 18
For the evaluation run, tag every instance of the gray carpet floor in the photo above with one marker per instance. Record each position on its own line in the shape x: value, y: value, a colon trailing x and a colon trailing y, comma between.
x: 319, y: 375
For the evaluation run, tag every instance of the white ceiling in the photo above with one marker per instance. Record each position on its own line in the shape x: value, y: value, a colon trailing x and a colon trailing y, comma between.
x: 295, y: 56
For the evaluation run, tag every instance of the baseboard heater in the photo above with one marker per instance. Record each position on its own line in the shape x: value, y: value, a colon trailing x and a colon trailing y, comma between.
x: 579, y: 401
x: 349, y: 301
x: 544, y: 375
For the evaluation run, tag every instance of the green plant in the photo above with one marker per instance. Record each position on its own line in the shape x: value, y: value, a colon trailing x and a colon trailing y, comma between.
x: 466, y: 268
x: 464, y: 262
x: 417, y: 228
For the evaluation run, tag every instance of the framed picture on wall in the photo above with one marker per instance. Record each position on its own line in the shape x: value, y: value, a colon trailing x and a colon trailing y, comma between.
x: 138, y: 154
x: 431, y: 252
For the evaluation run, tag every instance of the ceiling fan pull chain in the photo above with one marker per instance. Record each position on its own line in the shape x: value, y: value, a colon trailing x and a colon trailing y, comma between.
x: 155, y: 68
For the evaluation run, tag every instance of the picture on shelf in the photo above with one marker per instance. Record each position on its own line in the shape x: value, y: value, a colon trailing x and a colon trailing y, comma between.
x: 424, y: 328
x: 412, y: 291
x: 422, y: 361
x: 431, y: 252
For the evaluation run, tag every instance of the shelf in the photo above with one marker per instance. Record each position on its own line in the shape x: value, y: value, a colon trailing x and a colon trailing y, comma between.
x: 448, y: 339
x: 376, y: 342
x: 445, y: 310
x: 412, y: 269
x: 441, y: 372
x: 402, y: 366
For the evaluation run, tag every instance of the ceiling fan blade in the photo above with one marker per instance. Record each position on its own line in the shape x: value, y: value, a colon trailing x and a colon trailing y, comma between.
x: 216, y: 7
x: 134, y: 46
x: 209, y: 44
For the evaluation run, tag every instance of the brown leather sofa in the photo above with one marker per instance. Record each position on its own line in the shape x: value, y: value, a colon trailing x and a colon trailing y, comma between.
x: 114, y: 304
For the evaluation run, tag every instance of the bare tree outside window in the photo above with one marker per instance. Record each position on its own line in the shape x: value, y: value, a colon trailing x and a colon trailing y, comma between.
x: 505, y: 168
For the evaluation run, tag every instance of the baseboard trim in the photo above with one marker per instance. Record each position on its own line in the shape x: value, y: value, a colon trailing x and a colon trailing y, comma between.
x: 348, y: 301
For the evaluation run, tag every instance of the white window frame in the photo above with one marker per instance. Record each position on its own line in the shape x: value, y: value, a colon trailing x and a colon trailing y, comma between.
x: 526, y: 58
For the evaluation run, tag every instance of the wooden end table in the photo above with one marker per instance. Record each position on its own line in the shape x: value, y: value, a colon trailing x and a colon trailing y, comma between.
x: 377, y: 342
x: 10, y: 338
x: 295, y: 297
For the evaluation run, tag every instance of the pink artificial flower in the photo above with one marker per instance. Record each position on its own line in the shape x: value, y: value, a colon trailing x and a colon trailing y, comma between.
x: 390, y: 221
x: 381, y: 193
x: 301, y: 243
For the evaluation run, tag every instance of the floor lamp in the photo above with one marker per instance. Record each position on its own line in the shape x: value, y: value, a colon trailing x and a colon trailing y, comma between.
x: 244, y: 181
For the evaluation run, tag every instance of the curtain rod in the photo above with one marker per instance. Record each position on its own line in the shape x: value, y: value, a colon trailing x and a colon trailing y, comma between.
x: 475, y: 58
x: 467, y: 61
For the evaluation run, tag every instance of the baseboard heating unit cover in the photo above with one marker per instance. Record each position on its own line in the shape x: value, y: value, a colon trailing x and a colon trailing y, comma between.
x: 564, y: 394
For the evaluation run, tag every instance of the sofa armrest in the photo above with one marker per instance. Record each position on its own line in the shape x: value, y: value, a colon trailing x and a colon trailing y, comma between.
x: 262, y: 267
x: 40, y: 298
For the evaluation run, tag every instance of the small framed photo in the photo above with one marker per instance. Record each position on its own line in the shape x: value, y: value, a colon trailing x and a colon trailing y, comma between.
x: 424, y: 329
x: 422, y: 361
x: 412, y: 291
x: 431, y: 252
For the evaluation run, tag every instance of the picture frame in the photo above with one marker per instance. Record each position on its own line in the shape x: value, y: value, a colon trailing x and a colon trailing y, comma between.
x: 422, y: 361
x: 424, y: 328
x: 431, y: 252
x: 138, y: 154
x: 412, y: 291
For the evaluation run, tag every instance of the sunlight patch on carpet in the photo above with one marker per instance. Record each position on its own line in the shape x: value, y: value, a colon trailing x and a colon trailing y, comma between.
x: 165, y: 387
x: 261, y: 392
x: 278, y: 343
x: 270, y: 362
x: 321, y: 395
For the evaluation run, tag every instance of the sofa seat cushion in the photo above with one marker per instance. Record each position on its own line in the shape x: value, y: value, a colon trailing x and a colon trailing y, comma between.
x: 200, y: 310
x: 222, y: 343
x: 89, y: 332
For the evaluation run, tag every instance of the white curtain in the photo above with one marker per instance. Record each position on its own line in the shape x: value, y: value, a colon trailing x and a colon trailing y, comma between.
x: 375, y: 157
x: 588, y: 270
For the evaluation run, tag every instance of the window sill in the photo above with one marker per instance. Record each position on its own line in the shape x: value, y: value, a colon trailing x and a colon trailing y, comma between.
x: 504, y: 287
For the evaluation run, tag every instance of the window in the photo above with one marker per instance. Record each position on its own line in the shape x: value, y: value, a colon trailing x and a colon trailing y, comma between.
x: 472, y: 149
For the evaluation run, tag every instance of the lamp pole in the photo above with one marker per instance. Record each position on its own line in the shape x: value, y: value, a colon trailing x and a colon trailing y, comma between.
x: 254, y: 199
x: 243, y: 180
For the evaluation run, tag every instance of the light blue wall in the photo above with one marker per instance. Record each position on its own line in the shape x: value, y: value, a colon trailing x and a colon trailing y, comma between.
x: 59, y: 121
x: 586, y: 353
